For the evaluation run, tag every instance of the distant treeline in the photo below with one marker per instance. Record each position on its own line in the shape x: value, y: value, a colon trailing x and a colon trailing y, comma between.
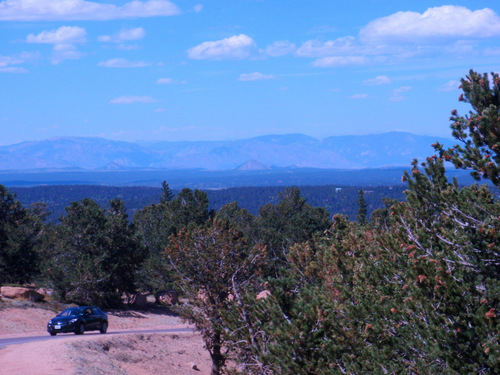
x: 335, y: 199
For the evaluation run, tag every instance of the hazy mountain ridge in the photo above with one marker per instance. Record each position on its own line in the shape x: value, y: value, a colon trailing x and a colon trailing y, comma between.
x: 291, y: 150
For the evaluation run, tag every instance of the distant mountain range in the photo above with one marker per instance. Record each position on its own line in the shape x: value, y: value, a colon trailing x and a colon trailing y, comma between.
x: 259, y: 153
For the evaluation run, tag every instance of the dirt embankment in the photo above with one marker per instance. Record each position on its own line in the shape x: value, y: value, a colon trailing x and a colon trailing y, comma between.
x: 93, y: 353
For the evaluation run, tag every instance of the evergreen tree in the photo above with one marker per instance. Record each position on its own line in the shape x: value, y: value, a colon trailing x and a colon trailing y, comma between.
x: 156, y: 223
x: 73, y: 254
x: 167, y: 194
x: 446, y: 265
x: 478, y: 131
x: 212, y: 264
x: 124, y: 251
x: 189, y: 208
x: 381, y: 218
x: 362, y: 208
x: 241, y: 218
x: 154, y: 226
x: 307, y: 324
x: 20, y: 232
x: 290, y: 221
x: 91, y: 257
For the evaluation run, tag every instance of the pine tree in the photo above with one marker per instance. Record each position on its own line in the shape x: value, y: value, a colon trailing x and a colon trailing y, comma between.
x: 157, y: 222
x: 167, y: 194
x: 362, y: 208
x: 91, y: 256
x: 315, y: 317
x: 447, y: 269
x: 124, y: 251
x: 479, y: 131
x: 292, y: 220
x: 212, y: 264
x: 20, y: 232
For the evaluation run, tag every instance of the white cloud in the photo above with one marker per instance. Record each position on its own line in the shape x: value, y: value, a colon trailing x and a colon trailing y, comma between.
x: 12, y: 69
x: 449, y: 86
x: 169, y: 81
x: 280, y: 48
x: 339, y: 52
x: 8, y: 60
x: 379, y: 80
x: 66, y: 10
x: 65, y: 52
x: 255, y: 77
x: 445, y: 21
x: 63, y: 40
x: 333, y: 61
x: 198, y: 8
x: 165, y: 81
x: 123, y: 63
x: 105, y: 38
x: 63, y: 35
x: 397, y: 94
x: 235, y: 47
x: 451, y: 31
x: 132, y: 34
x: 132, y: 100
x: 127, y: 47
x: 6, y: 63
x: 124, y: 36
x: 314, y: 48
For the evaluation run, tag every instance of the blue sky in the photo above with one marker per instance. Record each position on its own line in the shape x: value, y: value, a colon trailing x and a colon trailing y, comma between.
x: 230, y: 69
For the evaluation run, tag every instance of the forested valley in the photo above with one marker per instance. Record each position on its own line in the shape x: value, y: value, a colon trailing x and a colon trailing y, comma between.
x: 289, y: 287
x: 336, y: 199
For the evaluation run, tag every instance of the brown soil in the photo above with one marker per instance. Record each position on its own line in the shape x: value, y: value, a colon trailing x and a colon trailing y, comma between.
x: 93, y: 353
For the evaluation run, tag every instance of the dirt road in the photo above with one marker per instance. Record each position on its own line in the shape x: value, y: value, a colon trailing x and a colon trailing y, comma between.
x: 136, y: 352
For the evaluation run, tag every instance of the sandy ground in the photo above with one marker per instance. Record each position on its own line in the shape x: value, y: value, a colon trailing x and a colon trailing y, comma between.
x: 93, y: 353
